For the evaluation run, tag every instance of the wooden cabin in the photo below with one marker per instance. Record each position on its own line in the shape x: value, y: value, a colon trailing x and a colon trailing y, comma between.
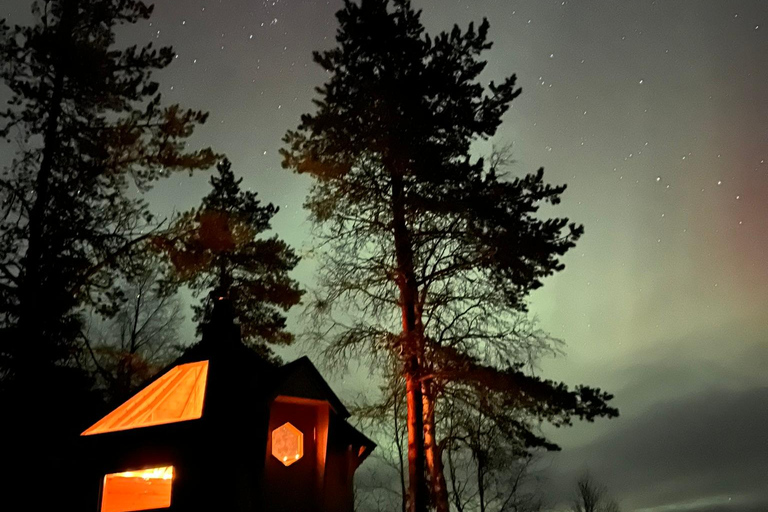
x: 222, y: 429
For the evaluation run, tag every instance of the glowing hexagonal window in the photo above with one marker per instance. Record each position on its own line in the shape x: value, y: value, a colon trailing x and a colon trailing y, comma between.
x: 287, y: 444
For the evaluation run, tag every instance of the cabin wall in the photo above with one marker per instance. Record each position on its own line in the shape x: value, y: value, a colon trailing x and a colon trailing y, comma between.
x: 339, y: 471
x: 217, y: 459
x: 223, y: 460
x: 299, y: 485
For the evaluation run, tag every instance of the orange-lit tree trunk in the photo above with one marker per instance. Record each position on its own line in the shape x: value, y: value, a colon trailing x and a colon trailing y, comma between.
x: 417, y: 492
x: 434, y: 456
x: 411, y: 349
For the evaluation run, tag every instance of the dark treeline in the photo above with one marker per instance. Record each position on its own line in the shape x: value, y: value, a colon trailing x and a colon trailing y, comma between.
x: 87, y: 273
x: 426, y: 253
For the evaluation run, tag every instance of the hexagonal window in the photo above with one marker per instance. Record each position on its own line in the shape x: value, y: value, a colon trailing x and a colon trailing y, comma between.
x: 287, y: 444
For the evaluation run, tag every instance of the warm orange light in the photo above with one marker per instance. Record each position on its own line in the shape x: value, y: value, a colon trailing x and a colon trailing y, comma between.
x: 142, y: 489
x: 287, y: 444
x: 176, y: 396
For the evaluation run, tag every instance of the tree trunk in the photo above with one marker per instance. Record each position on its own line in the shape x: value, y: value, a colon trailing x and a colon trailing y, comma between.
x: 481, y: 480
x: 31, y: 329
x: 401, y: 465
x: 417, y: 495
x: 411, y: 348
x: 434, y: 456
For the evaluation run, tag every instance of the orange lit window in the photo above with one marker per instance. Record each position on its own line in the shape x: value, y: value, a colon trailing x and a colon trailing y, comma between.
x: 176, y: 396
x: 287, y: 444
x: 142, y: 489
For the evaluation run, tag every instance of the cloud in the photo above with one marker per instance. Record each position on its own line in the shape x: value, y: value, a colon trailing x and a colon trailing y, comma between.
x: 715, y: 504
x: 688, y: 454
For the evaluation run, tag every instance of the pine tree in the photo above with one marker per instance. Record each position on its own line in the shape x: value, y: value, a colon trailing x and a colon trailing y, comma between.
x: 93, y: 133
x: 414, y: 224
x: 221, y: 250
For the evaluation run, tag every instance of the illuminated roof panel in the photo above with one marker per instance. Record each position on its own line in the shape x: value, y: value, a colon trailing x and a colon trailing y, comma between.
x: 176, y: 396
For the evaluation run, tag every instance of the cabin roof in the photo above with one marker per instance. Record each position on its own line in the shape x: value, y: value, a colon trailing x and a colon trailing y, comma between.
x: 229, y: 365
x: 300, y: 378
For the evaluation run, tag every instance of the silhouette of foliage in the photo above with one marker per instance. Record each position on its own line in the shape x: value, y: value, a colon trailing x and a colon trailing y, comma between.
x: 410, y: 222
x: 220, y: 249
x: 486, y: 471
x: 127, y: 350
x: 93, y: 131
x: 593, y: 497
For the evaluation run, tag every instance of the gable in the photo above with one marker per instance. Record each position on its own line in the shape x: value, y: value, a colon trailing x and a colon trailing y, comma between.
x: 176, y: 396
x: 301, y: 379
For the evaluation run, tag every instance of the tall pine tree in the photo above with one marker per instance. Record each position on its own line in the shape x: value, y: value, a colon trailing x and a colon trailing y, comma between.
x: 415, y: 225
x: 221, y: 250
x: 93, y: 134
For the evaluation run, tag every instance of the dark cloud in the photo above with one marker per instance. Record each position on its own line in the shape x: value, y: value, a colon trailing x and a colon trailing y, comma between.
x: 706, y: 447
x: 760, y: 505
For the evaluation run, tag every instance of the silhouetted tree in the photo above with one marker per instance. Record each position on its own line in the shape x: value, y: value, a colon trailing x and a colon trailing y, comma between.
x: 384, y: 420
x: 141, y: 339
x: 486, y: 471
x: 593, y: 497
x: 93, y: 134
x: 415, y: 225
x: 221, y: 248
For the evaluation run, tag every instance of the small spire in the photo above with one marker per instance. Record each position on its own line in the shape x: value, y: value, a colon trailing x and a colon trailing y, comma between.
x: 222, y: 329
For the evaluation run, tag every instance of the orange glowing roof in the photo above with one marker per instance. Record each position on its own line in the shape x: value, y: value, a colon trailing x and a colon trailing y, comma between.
x: 176, y: 396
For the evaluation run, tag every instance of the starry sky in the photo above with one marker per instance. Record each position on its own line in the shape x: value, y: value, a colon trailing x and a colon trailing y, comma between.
x: 655, y: 113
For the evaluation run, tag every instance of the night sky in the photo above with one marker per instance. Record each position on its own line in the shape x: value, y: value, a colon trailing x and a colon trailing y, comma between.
x: 655, y: 113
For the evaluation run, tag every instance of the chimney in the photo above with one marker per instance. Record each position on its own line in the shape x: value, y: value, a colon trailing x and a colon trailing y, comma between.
x: 222, y: 330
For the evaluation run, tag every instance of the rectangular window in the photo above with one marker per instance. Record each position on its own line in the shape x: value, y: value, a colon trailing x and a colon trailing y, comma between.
x: 142, y: 489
